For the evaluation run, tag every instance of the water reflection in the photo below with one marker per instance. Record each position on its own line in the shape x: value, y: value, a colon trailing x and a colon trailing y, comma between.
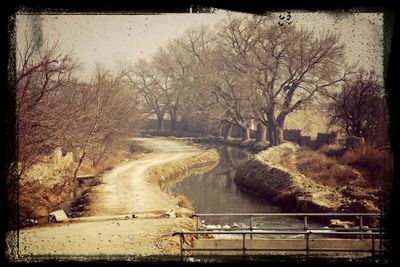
x: 216, y: 192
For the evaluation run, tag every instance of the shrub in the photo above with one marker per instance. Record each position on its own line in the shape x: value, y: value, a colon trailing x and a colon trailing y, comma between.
x: 334, y: 150
x: 375, y: 164
x: 183, y: 201
x: 323, y: 169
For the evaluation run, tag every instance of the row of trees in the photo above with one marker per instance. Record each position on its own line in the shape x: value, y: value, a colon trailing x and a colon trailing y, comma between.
x: 55, y: 109
x: 247, y: 69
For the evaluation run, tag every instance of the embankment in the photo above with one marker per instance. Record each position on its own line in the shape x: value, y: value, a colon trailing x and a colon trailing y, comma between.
x: 291, y: 189
x: 167, y: 174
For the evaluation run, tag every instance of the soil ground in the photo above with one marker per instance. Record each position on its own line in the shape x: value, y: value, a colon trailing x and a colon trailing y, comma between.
x: 109, y: 228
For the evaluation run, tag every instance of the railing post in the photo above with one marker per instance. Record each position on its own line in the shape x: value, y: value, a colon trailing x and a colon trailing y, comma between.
x: 181, y: 244
x: 251, y: 226
x: 373, y: 248
x: 197, y: 225
x: 307, y: 244
x: 361, y: 225
x: 244, y: 247
x: 305, y: 223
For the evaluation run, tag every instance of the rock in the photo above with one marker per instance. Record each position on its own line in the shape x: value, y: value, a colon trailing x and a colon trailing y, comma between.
x: 170, y: 214
x: 58, y: 216
x: 235, y: 225
x: 358, y: 193
x: 226, y: 226
x: 360, y: 206
x: 73, y: 214
x: 190, y: 259
x: 31, y: 222
x: 335, y: 223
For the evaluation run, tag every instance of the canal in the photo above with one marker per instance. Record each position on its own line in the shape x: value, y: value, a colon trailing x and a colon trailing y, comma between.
x: 216, y: 192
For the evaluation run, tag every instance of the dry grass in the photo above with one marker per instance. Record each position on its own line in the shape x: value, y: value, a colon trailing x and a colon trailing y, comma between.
x: 183, y: 201
x: 286, y: 159
x: 334, y: 150
x: 376, y: 165
x: 323, y: 169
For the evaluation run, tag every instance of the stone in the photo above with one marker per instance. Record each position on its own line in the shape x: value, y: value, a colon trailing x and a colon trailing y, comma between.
x: 58, y: 216
x: 335, y: 223
x: 170, y: 214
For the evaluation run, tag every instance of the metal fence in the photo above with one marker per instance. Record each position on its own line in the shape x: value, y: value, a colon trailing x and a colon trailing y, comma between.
x: 305, y: 216
x: 359, y: 232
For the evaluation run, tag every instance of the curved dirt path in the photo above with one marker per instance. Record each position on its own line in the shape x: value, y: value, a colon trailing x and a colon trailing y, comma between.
x: 107, y: 231
x: 124, y: 190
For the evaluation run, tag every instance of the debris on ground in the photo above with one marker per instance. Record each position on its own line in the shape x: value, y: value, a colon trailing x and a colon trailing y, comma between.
x: 58, y: 216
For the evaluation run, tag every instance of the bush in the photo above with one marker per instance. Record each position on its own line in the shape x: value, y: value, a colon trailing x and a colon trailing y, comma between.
x: 375, y: 164
x: 183, y: 201
x: 334, y: 150
x: 323, y: 169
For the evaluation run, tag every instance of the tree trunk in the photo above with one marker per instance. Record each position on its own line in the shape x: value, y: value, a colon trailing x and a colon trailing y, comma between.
x: 185, y: 125
x: 278, y: 135
x: 219, y: 131
x: 173, y: 124
x: 261, y: 135
x: 280, y: 123
x: 228, y: 131
x: 173, y: 120
x: 160, y: 120
x: 245, y: 134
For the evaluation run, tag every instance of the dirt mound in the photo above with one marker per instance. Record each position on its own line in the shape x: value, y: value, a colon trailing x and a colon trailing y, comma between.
x: 265, y: 175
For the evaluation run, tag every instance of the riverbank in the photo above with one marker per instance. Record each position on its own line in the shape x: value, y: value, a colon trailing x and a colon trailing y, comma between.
x: 130, y: 184
x: 273, y: 175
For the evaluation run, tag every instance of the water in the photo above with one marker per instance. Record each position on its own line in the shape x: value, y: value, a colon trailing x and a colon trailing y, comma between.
x: 216, y: 192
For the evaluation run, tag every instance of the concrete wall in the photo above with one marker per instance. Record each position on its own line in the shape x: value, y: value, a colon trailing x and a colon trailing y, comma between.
x: 351, y: 244
x: 151, y: 124
x: 294, y: 135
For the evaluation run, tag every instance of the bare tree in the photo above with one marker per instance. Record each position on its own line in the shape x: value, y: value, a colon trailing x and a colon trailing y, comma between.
x: 41, y: 75
x: 174, y: 62
x: 152, y: 87
x: 289, y: 65
x: 360, y: 109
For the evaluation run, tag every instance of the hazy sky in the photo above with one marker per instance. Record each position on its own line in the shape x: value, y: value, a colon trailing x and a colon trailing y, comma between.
x: 108, y: 39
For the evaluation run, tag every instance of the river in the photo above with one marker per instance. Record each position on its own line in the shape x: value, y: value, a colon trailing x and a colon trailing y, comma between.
x: 216, y: 192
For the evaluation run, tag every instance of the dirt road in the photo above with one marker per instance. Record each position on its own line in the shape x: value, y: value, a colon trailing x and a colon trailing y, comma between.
x: 125, y: 191
x: 107, y: 231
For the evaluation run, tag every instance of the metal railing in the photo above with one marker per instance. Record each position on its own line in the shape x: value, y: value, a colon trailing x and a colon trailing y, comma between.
x: 305, y: 216
x: 307, y: 248
x: 360, y: 231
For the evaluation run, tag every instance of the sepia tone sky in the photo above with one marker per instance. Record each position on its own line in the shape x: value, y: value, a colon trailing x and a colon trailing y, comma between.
x: 109, y: 39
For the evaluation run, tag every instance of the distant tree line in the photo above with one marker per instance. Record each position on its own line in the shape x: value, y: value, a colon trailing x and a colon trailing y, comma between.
x: 250, y: 69
x: 246, y: 70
